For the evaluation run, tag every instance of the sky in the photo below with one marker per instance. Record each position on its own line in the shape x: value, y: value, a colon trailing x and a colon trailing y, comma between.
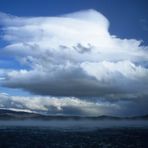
x: 74, y: 57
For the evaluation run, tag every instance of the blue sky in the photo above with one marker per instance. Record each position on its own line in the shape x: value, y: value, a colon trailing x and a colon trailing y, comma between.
x: 129, y: 18
x: 75, y: 48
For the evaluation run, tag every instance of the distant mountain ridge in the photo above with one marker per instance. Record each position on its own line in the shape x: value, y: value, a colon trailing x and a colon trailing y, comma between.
x: 21, y: 115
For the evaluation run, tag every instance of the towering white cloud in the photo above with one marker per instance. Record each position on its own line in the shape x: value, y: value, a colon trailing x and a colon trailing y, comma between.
x: 73, y: 55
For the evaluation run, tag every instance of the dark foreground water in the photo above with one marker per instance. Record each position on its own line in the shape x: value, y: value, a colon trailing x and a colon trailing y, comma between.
x: 45, y: 137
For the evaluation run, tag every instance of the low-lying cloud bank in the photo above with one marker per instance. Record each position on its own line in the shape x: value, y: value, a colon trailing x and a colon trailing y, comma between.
x: 76, y: 106
x: 54, y: 105
x: 80, y: 125
x: 74, y: 55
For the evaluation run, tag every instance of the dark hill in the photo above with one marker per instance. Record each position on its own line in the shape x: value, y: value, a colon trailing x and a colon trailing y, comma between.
x: 20, y: 115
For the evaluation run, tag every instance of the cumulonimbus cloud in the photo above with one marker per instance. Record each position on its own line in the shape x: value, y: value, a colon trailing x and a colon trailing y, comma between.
x: 73, y: 55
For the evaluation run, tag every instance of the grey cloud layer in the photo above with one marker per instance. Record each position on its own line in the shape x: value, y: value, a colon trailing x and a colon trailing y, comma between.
x: 73, y: 55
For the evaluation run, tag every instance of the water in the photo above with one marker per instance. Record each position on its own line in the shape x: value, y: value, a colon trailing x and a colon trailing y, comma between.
x: 74, y: 134
x: 46, y: 137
